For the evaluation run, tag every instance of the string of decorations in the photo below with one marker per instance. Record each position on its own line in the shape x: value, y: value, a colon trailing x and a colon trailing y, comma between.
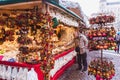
x: 32, y: 27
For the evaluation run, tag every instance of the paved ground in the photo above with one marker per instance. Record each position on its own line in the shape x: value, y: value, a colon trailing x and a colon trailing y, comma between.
x: 72, y: 74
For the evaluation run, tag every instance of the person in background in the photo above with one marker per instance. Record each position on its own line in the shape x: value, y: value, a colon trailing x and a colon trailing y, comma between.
x: 117, y: 42
x: 82, y: 54
x: 81, y: 44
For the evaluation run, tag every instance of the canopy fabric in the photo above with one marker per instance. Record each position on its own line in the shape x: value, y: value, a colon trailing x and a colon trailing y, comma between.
x: 5, y: 2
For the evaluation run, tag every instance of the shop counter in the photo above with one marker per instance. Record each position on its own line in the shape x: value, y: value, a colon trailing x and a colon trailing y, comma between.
x: 24, y: 65
x: 62, y: 62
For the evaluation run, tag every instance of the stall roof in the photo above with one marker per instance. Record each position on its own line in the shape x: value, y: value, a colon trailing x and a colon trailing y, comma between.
x: 53, y: 2
x: 62, y: 7
x: 5, y: 2
x: 21, y: 5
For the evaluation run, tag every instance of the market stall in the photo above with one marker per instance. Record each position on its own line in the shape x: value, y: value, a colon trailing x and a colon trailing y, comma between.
x: 33, y: 38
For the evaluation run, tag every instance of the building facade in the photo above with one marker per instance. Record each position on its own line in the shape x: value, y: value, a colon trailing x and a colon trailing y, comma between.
x: 113, y: 8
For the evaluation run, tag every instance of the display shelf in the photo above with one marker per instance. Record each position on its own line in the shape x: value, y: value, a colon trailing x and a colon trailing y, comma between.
x: 102, y: 69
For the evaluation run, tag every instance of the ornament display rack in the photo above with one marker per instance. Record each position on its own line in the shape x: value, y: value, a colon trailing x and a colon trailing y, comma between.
x: 97, y: 66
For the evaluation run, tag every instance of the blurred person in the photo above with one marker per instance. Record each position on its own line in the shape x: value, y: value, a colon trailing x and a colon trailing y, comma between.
x: 81, y: 44
x: 117, y: 38
x: 82, y: 54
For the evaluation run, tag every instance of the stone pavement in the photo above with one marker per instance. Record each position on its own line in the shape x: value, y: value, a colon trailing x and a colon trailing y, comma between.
x: 73, y: 74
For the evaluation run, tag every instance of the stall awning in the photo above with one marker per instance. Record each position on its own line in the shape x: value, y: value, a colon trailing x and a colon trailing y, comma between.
x: 54, y: 2
x: 5, y: 2
x: 18, y: 4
